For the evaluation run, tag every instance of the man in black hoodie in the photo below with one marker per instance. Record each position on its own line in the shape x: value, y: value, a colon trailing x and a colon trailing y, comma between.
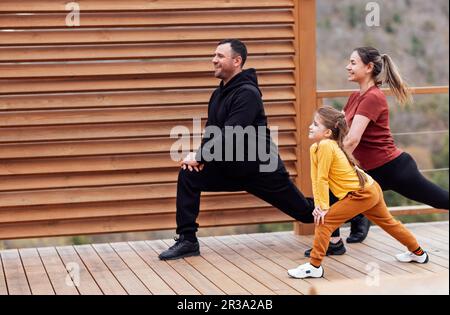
x: 236, y: 103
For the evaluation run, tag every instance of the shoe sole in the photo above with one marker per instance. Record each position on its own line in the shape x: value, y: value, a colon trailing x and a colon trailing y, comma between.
x: 197, y: 253
x: 323, y: 274
x: 416, y: 262
x: 426, y: 260
x: 339, y: 253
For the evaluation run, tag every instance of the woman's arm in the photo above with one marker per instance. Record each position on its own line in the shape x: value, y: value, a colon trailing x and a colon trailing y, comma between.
x: 355, y: 133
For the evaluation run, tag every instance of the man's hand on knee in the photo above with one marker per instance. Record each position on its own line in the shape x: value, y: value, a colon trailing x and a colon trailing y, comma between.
x: 191, y: 164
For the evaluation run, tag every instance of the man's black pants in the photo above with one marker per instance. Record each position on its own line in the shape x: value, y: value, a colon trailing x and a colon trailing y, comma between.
x: 276, y: 188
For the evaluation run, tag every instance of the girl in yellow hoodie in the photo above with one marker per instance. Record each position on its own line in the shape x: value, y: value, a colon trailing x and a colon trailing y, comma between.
x: 334, y: 169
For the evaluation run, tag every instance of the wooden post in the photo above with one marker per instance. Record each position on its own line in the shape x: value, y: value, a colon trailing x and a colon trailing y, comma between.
x: 306, y: 89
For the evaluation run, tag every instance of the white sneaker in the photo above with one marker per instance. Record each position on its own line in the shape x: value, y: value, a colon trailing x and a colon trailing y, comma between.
x: 306, y: 271
x: 411, y: 257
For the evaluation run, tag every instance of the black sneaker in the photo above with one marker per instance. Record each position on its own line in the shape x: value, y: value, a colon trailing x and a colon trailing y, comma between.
x: 181, y: 249
x: 333, y: 249
x: 359, y: 229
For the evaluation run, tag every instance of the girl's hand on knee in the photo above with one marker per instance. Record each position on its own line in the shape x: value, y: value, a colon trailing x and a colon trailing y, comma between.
x: 319, y: 216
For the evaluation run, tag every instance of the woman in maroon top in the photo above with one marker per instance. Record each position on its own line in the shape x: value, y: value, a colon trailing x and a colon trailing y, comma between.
x: 370, y: 138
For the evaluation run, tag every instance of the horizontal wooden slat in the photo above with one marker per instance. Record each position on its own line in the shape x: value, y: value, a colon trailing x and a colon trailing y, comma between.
x: 99, y: 163
x: 154, y: 83
x: 39, y: 70
x: 117, y: 115
x: 72, y: 180
x: 133, y: 51
x: 118, y: 99
x: 137, y: 223
x: 116, y: 130
x: 97, y: 147
x: 147, y: 35
x: 127, y: 19
x: 415, y: 210
x: 139, y: 5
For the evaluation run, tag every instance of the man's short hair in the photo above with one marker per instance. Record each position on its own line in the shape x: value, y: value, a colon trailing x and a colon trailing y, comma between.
x: 238, y: 48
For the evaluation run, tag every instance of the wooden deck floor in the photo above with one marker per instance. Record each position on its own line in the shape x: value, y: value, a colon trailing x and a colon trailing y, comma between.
x: 253, y: 264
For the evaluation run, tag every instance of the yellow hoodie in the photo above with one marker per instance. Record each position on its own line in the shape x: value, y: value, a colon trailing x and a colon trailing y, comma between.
x: 331, y: 170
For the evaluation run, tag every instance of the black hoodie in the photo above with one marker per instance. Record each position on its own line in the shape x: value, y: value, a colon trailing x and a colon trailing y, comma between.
x: 239, y: 103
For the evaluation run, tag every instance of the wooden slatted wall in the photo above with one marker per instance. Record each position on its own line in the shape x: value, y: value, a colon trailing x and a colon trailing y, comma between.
x: 86, y: 112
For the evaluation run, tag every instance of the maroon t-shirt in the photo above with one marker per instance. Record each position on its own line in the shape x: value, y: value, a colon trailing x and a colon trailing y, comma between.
x: 377, y: 146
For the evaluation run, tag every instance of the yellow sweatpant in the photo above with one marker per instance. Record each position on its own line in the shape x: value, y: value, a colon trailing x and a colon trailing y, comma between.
x: 368, y: 201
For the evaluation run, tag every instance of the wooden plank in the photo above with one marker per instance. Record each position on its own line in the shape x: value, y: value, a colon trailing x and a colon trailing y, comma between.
x: 250, y: 267
x: 438, y: 256
x: 57, y: 272
x: 111, y: 100
x: 262, y: 244
x: 436, y: 284
x: 148, y: 193
x: 79, y: 195
x: 438, y: 248
x: 195, y: 278
x: 244, y: 280
x: 443, y: 226
x: 380, y: 255
x: 37, y: 276
x: 3, y: 286
x: 173, y: 279
x: 306, y: 86
x: 134, y: 51
x: 147, y: 35
x: 87, y: 284
x: 114, y: 130
x: 270, y: 259
x: 131, y: 68
x: 142, y: 116
x: 15, y: 276
x: 139, y: 5
x: 11, y: 183
x: 387, y: 248
x: 139, y: 83
x: 130, y: 19
x: 146, y: 275
x: 220, y: 279
x: 295, y: 250
x: 430, y: 232
x: 235, y: 201
x: 437, y: 229
x: 98, y: 163
x: 393, y: 247
x: 127, y: 278
x: 368, y: 259
x: 348, y: 260
x: 136, y: 223
x: 101, y: 274
x: 103, y: 147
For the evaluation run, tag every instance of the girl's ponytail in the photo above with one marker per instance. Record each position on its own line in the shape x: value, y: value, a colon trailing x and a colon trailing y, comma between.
x: 335, y: 121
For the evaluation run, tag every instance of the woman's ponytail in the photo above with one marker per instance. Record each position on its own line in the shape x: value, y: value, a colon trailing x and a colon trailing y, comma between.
x: 386, y: 71
x: 391, y: 75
